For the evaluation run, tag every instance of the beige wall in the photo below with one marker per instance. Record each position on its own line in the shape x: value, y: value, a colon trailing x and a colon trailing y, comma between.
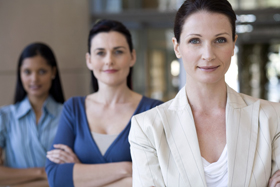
x: 62, y: 24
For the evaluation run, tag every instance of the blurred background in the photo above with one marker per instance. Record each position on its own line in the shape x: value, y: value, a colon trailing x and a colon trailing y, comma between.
x: 64, y: 26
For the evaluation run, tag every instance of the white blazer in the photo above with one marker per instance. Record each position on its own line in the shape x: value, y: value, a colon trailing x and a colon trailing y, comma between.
x: 165, y: 149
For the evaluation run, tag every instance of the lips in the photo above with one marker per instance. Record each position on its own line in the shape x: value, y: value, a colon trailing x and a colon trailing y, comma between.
x: 35, y: 87
x: 208, y: 68
x: 110, y: 71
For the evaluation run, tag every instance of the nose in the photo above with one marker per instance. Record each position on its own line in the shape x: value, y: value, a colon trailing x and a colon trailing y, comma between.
x: 34, y: 77
x: 109, y: 60
x: 208, y: 53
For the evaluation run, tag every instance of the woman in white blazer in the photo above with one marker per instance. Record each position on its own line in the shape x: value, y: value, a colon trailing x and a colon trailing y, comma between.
x: 208, y: 135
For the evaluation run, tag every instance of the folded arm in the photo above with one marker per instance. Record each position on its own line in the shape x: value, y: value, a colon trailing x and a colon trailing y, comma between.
x: 92, y: 174
x: 12, y: 176
x: 101, y: 174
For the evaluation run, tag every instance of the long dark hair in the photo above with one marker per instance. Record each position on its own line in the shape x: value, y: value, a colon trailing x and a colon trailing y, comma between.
x: 192, y: 6
x: 44, y: 51
x: 107, y: 26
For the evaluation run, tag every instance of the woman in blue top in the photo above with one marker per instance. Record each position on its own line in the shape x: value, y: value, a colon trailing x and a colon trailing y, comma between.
x: 91, y: 145
x: 28, y: 127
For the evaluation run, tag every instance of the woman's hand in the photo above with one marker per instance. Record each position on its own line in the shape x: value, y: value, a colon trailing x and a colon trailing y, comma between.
x: 62, y: 154
x: 274, y: 181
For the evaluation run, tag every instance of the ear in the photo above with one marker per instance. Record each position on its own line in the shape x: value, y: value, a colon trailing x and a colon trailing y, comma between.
x: 235, y: 39
x: 88, y: 61
x: 133, y: 58
x: 176, y: 47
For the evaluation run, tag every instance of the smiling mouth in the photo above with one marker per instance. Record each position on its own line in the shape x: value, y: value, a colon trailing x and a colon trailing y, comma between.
x: 208, y: 68
x: 110, y: 71
x: 35, y: 87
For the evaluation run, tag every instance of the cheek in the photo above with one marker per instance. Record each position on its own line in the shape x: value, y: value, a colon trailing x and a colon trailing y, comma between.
x: 190, y: 59
x: 227, y: 53
x: 189, y: 53
x: 24, y: 79
x: 95, y: 64
x: 47, y: 79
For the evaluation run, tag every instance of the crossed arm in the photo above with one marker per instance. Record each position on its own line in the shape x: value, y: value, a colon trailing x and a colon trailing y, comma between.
x: 21, y: 177
x: 111, y: 174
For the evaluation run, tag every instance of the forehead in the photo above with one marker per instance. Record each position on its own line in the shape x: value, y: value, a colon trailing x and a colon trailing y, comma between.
x: 35, y: 62
x: 108, y: 40
x: 203, y: 22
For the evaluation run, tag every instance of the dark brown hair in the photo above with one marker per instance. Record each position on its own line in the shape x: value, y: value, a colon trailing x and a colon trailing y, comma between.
x: 192, y: 6
x: 44, y: 51
x: 107, y: 26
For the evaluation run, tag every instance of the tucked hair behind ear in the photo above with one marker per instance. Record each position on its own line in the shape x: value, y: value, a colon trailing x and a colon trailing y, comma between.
x: 44, y: 51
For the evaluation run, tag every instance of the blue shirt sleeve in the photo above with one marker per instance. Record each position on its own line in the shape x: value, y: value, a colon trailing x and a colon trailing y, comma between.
x: 62, y: 174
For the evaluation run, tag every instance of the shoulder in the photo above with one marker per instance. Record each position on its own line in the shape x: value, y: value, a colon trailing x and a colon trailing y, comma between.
x: 73, y: 106
x: 152, y: 117
x: 270, y: 109
x: 158, y: 108
x: 74, y: 101
x: 5, y: 113
x: 54, y: 106
x: 6, y: 110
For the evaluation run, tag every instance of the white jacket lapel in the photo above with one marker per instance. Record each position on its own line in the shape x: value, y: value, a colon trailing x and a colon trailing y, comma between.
x: 241, y: 131
x: 182, y: 139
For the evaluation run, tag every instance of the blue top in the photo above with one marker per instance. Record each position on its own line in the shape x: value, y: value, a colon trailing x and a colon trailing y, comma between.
x: 73, y: 131
x: 24, y: 142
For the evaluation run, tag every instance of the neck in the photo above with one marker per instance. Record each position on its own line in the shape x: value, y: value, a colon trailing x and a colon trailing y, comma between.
x: 113, y: 94
x: 37, y: 102
x: 206, y: 97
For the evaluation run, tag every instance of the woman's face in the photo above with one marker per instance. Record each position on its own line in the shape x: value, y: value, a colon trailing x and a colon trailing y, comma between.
x: 206, y: 47
x: 36, y: 76
x: 110, y: 58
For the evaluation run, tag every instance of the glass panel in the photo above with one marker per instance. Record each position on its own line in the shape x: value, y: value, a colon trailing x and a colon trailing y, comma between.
x: 113, y: 6
x: 248, y: 4
x: 101, y: 6
x: 156, y: 70
x: 234, y: 4
x: 273, y: 3
x: 162, y: 84
x: 273, y: 73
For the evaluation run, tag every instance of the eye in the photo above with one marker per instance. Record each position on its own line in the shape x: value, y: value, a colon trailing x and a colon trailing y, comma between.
x: 42, y: 71
x: 118, y: 52
x: 194, y: 41
x: 100, y: 53
x: 27, y: 72
x: 221, y: 40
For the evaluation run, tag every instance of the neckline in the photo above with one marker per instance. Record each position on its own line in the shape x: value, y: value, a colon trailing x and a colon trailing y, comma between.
x: 118, y: 136
x: 99, y: 134
x: 206, y: 163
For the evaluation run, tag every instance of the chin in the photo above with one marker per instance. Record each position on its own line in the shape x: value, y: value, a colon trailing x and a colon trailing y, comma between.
x: 211, y: 80
x: 36, y: 94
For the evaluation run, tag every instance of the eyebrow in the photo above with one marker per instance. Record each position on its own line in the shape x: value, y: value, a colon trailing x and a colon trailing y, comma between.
x: 118, y: 47
x: 215, y: 35
x: 222, y: 34
x: 194, y: 35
